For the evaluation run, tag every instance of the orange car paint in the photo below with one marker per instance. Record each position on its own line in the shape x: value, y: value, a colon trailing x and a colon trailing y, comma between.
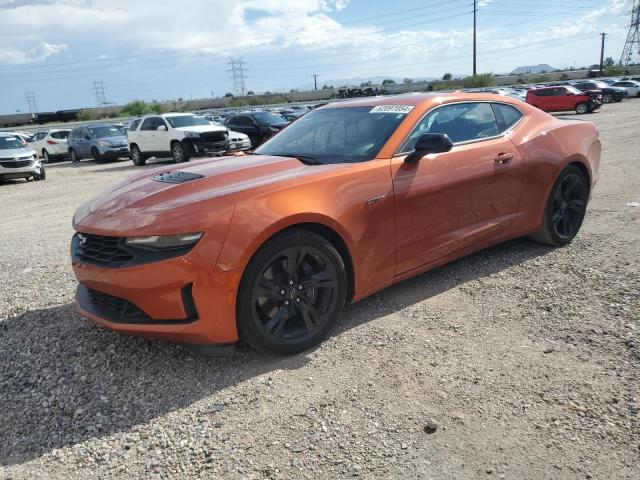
x: 394, y: 219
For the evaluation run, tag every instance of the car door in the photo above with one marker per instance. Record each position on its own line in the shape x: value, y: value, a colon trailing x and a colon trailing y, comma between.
x: 37, y: 142
x: 83, y: 143
x: 449, y: 201
x: 146, y: 138
x: 162, y: 138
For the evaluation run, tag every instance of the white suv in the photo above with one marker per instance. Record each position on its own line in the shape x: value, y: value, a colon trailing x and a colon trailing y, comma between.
x: 51, y: 144
x: 181, y: 135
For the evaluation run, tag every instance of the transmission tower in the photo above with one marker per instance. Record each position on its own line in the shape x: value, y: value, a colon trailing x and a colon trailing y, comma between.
x: 238, y: 75
x: 98, y: 89
x: 631, y: 50
x: 31, y: 101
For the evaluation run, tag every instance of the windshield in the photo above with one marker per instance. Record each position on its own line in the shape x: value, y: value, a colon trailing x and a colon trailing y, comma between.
x: 337, y: 135
x: 267, y: 117
x: 9, y: 143
x: 186, y: 121
x: 105, y: 131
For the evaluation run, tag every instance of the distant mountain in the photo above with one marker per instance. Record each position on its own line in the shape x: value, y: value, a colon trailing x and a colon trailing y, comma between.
x: 356, y: 81
x: 542, y: 68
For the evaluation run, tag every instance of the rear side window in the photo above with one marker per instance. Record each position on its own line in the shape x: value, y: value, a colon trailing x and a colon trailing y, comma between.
x: 62, y: 135
x: 149, y: 124
x: 506, y: 115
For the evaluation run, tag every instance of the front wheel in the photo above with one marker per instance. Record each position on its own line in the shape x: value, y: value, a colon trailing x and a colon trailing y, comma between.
x: 607, y: 98
x: 565, y: 209
x: 96, y: 155
x: 41, y: 175
x: 582, y: 108
x: 45, y: 156
x: 137, y: 157
x: 74, y: 156
x: 179, y: 152
x: 291, y: 293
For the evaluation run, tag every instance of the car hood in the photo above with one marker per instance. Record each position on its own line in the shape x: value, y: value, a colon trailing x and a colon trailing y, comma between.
x: 144, y: 206
x: 114, y: 140
x: 12, y: 153
x: 202, y: 128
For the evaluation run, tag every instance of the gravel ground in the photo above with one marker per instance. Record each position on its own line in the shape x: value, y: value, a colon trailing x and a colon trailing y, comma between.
x: 520, y: 362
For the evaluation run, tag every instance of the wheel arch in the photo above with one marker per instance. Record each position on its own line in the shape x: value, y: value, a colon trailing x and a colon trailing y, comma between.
x: 325, y: 227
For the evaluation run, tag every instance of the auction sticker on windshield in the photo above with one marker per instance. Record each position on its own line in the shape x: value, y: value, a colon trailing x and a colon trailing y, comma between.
x: 392, y: 109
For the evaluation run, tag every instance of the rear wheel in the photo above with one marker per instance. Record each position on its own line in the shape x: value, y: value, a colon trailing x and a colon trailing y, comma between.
x: 291, y: 294
x: 565, y: 208
x: 582, y: 108
x: 180, y: 152
x: 74, y: 156
x: 137, y: 157
x: 45, y: 156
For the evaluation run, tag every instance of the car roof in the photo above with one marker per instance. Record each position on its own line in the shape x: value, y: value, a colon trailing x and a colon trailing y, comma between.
x: 7, y: 134
x: 421, y: 99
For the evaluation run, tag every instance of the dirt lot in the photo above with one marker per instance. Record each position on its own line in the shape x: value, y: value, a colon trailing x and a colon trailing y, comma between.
x: 526, y: 358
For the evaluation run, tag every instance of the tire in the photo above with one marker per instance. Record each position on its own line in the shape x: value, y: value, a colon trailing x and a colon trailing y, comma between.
x: 137, y: 157
x: 565, y: 208
x: 73, y: 155
x: 582, y: 108
x: 607, y: 98
x: 180, y: 152
x: 96, y: 155
x: 45, y: 156
x: 41, y: 176
x: 314, y: 287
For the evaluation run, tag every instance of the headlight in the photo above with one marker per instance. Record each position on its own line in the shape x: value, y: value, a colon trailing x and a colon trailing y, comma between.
x: 164, y: 242
x: 191, y: 134
x: 103, y: 143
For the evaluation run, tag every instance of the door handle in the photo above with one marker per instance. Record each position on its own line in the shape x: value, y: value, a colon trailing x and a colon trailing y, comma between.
x: 503, y: 158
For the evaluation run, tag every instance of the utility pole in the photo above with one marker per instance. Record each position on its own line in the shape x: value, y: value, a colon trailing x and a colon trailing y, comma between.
x: 315, y: 81
x: 632, y: 45
x: 475, y: 13
x: 98, y: 90
x: 603, y: 35
x: 31, y: 101
x: 238, y: 76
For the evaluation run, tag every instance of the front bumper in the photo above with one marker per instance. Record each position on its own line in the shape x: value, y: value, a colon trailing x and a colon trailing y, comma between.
x: 114, y: 152
x: 200, y: 147
x: 241, y: 145
x: 182, y: 299
x: 33, y: 168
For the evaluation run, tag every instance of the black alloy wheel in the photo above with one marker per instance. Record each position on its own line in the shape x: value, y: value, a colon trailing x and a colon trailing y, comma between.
x: 292, y: 293
x: 565, y: 208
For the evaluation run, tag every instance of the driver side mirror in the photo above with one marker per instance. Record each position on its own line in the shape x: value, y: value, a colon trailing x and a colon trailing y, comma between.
x: 162, y: 128
x: 427, y: 144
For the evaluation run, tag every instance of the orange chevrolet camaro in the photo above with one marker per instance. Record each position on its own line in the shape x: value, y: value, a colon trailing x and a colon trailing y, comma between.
x: 347, y: 200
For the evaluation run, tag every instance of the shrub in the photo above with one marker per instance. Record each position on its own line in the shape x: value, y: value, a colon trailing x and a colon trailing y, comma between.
x: 477, y: 81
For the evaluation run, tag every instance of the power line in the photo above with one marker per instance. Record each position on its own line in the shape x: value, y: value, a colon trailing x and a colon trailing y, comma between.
x: 632, y: 44
x: 98, y: 90
x: 603, y: 35
x: 475, y: 14
x: 31, y: 101
x: 315, y: 81
x: 238, y: 77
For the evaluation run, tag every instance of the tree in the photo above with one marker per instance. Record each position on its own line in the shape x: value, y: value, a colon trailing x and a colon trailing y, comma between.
x: 613, y: 70
x: 447, y: 77
x: 407, y: 81
x: 480, y: 80
x: 388, y: 81
x: 228, y: 95
x: 327, y: 87
x: 250, y: 92
x: 366, y: 84
x: 609, y: 62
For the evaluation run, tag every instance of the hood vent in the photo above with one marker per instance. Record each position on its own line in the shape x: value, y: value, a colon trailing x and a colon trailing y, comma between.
x: 176, y: 177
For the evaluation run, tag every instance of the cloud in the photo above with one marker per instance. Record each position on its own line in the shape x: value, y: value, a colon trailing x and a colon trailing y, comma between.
x: 35, y: 54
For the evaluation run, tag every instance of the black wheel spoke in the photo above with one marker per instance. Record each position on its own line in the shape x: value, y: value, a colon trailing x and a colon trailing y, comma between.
x: 322, y: 279
x: 576, y: 206
x: 310, y: 315
x: 295, y: 257
x: 276, y: 324
x: 570, y: 183
x: 268, y: 288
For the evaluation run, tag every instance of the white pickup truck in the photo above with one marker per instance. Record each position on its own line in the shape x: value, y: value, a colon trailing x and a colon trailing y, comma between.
x: 181, y: 135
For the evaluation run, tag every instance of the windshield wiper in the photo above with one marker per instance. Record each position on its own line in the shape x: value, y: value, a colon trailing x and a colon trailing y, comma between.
x: 306, y: 159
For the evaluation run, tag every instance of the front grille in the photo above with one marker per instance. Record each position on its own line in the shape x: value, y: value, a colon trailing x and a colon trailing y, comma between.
x: 19, y: 163
x: 119, y: 308
x: 102, y: 250
x: 209, y: 137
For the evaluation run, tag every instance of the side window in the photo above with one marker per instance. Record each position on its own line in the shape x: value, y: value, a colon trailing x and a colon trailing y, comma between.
x: 149, y: 124
x: 134, y: 124
x: 559, y: 92
x: 242, y: 121
x: 462, y: 122
x: 506, y: 115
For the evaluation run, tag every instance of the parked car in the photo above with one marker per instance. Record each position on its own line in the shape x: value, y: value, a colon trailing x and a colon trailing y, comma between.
x: 100, y: 141
x: 563, y: 98
x: 24, y: 136
x: 632, y: 87
x: 181, y: 135
x: 635, y: 79
x: 238, y: 141
x: 357, y: 196
x: 258, y: 126
x: 609, y: 94
x: 18, y: 159
x: 51, y: 144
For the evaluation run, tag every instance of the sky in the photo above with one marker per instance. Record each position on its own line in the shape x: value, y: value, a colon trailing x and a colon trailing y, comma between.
x: 162, y: 50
